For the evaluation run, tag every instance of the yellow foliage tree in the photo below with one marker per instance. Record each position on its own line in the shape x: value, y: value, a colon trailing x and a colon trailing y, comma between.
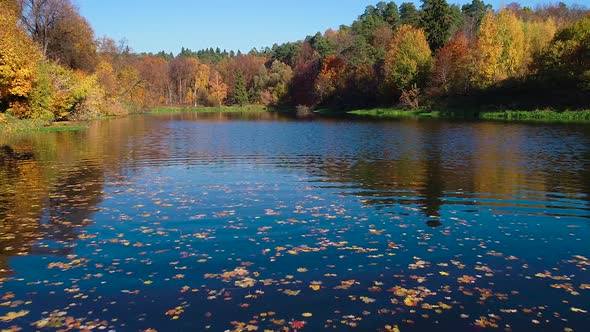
x: 488, y: 51
x: 510, y: 31
x: 202, y: 81
x: 409, y: 59
x: 538, y: 34
x: 18, y: 62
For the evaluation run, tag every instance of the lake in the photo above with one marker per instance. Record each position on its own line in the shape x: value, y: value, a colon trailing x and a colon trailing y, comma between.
x: 259, y: 222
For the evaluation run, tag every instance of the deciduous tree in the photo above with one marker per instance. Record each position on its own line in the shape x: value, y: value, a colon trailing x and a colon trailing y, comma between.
x: 510, y: 30
x: 451, y: 67
x: 62, y: 34
x: 567, y: 59
x: 331, y: 77
x: 18, y: 63
x: 217, y: 89
x: 488, y: 51
x: 408, y: 61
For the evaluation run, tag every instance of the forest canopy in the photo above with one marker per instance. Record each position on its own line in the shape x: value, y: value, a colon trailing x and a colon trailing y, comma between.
x: 53, y: 67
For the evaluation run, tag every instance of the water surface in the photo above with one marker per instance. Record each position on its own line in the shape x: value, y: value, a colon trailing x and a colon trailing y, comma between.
x: 255, y: 222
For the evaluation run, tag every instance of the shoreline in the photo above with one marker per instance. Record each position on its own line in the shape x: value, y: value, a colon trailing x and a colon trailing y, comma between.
x: 11, y: 125
x: 539, y: 116
x: 222, y: 109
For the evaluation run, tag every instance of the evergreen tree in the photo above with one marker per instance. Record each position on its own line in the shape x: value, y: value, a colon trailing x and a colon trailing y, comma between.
x: 391, y: 14
x: 436, y: 20
x: 240, y: 96
x: 409, y: 14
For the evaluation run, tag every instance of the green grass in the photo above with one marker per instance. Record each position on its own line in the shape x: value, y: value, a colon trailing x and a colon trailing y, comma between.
x: 391, y: 113
x: 58, y: 128
x: 223, y: 109
x: 581, y: 116
x: 538, y: 116
x: 9, y: 124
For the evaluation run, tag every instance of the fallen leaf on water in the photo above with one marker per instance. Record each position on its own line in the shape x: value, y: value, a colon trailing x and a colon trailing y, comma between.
x: 411, y: 301
x: 466, y: 279
x: 367, y: 299
x: 291, y: 292
x: 389, y: 328
x: 13, y: 315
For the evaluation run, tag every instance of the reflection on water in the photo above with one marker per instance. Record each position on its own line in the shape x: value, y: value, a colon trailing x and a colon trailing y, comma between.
x: 69, y: 194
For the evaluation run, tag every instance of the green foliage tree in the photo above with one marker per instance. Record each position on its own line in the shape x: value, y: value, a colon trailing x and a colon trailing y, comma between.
x: 457, y: 19
x: 473, y: 14
x: 272, y: 84
x: 390, y: 14
x: 476, y: 9
x: 409, y: 14
x: 41, y: 97
x: 436, y: 19
x: 240, y: 94
x: 567, y: 59
x: 286, y: 53
x: 324, y: 46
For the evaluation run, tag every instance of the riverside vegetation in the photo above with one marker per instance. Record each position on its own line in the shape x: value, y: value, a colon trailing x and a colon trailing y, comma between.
x: 440, y: 59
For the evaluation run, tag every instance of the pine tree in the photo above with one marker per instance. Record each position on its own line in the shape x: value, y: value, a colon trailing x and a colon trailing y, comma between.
x: 240, y: 96
x: 436, y: 20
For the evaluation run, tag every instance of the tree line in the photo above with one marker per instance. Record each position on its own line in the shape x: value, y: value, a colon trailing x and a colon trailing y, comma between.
x: 52, y: 67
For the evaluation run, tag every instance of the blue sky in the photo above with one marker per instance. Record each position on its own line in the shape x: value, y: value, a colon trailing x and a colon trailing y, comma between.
x: 155, y: 25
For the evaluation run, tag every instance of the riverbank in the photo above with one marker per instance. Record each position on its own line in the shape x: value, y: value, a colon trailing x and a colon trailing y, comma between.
x: 391, y: 113
x: 9, y: 124
x: 223, y: 109
x: 581, y: 116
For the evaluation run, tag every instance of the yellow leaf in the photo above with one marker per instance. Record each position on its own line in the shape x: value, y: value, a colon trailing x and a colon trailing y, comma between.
x: 412, y: 301
x: 13, y: 315
x: 315, y: 287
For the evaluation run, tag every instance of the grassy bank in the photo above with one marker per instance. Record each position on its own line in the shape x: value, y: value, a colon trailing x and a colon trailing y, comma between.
x: 581, y: 116
x: 223, y: 109
x: 538, y: 116
x: 9, y: 124
x: 390, y: 113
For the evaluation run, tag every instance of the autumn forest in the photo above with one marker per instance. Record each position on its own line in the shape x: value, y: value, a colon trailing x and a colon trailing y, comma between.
x: 439, y: 55
x: 424, y: 168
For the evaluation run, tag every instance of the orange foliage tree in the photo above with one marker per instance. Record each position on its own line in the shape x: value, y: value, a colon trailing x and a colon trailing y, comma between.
x: 217, y: 88
x: 451, y: 67
x: 331, y: 76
